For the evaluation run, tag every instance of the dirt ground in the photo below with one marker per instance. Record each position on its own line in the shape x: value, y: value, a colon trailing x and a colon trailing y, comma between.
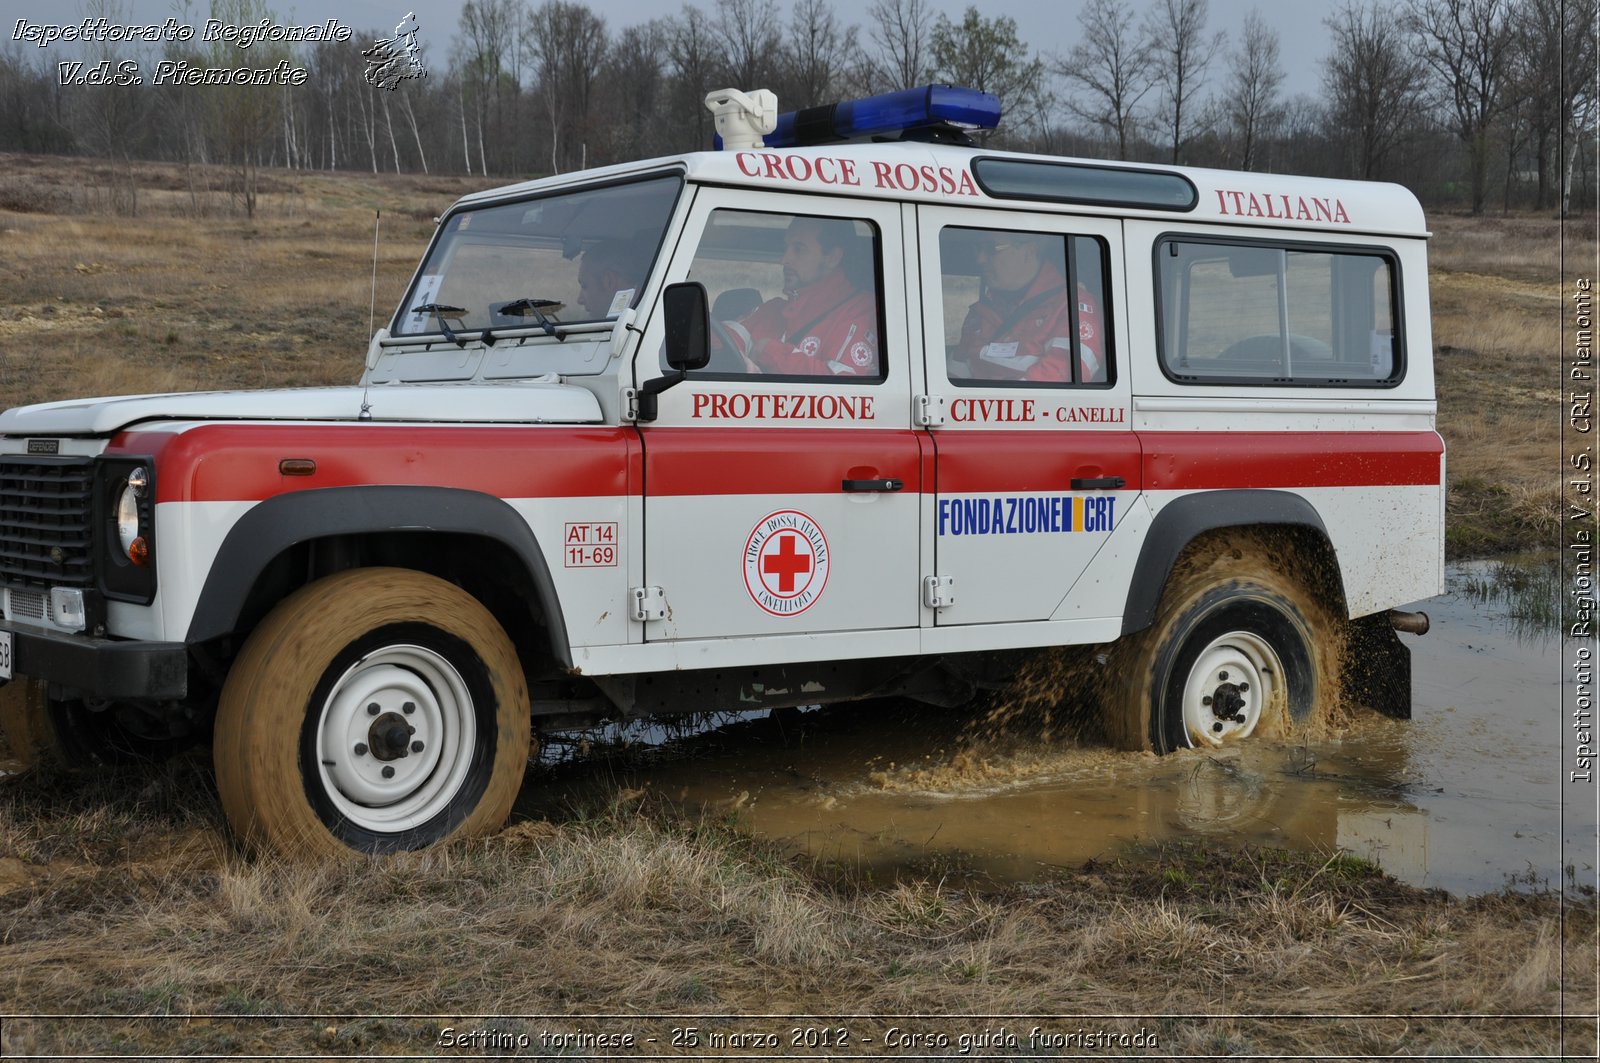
x: 120, y: 895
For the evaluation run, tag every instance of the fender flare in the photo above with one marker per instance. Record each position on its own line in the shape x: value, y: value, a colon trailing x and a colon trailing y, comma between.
x: 1182, y: 519
x: 278, y: 523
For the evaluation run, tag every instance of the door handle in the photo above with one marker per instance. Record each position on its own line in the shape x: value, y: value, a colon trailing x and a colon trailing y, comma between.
x: 1098, y: 483
x: 872, y: 485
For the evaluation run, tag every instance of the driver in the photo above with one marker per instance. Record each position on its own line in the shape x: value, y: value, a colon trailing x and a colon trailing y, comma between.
x: 1021, y: 325
x: 607, y: 270
x: 824, y: 324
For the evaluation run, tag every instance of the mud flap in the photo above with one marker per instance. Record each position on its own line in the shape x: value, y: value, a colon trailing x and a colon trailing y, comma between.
x: 1377, y: 667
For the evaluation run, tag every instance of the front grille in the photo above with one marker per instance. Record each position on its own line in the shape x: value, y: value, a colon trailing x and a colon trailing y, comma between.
x: 25, y: 605
x: 45, y: 518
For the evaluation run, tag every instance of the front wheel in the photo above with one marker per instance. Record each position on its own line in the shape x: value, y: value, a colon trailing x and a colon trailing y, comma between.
x: 374, y: 710
x: 1239, y: 648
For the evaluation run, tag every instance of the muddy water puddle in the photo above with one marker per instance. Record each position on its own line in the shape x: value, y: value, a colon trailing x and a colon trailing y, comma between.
x: 1467, y: 796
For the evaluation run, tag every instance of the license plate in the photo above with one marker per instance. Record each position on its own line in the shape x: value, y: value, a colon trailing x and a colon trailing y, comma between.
x: 5, y: 655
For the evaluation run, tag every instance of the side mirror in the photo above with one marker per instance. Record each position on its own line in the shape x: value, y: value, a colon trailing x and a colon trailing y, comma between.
x: 688, y: 324
x: 687, y: 320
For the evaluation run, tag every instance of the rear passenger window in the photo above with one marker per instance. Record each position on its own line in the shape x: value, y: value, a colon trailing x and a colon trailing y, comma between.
x: 1257, y: 313
x: 1024, y: 308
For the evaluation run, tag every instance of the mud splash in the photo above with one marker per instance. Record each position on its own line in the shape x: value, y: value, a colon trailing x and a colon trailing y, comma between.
x: 1466, y: 796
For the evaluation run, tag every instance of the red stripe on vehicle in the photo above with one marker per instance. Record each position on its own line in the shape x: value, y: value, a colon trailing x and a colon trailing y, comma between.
x: 778, y: 461
x: 1184, y: 461
x: 239, y: 462
x: 986, y: 462
x: 979, y: 462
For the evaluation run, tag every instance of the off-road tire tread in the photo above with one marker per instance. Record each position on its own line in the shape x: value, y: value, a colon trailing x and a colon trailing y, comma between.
x: 265, y: 701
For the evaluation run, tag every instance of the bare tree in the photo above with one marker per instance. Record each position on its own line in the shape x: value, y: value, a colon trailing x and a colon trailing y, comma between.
x: 634, y: 86
x: 750, y: 33
x: 486, y: 53
x: 243, y: 121
x: 1109, y: 66
x: 1180, y: 54
x: 1308, y: 141
x: 1467, y: 46
x: 696, y: 62
x: 818, y: 47
x: 567, y: 43
x: 898, y: 56
x: 1255, y: 76
x: 108, y: 115
x: 416, y: 134
x: 26, y: 121
x: 388, y: 121
x: 1554, y: 59
x: 987, y: 54
x: 1373, y: 83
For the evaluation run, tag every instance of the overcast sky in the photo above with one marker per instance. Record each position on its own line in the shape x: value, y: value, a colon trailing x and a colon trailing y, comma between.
x: 1048, y: 27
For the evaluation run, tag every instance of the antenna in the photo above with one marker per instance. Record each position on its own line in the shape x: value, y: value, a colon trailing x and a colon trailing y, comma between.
x: 372, y: 320
x: 372, y: 308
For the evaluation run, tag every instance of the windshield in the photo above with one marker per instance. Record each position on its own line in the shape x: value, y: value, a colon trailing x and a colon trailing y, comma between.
x: 567, y: 258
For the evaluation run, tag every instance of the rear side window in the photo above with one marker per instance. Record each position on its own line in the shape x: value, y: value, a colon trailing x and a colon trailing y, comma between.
x: 1284, y: 314
x: 1024, y: 308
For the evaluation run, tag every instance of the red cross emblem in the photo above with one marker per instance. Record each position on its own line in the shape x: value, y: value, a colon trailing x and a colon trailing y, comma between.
x: 786, y: 563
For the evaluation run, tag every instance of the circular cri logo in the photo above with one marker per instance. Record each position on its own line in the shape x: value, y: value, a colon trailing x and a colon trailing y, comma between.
x: 786, y: 563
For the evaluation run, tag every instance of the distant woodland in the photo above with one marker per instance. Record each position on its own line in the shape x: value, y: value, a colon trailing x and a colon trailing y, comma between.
x: 1477, y: 105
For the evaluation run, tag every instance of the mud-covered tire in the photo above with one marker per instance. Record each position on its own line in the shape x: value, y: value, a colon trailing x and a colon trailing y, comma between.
x: 25, y: 722
x: 1239, y: 648
x: 305, y: 767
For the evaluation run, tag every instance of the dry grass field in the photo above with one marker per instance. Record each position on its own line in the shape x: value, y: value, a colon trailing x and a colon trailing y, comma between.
x: 120, y: 898
x: 187, y: 295
x: 119, y: 894
x: 1497, y: 305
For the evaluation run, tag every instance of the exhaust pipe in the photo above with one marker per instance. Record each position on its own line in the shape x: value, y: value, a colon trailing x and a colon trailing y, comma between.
x: 1410, y: 623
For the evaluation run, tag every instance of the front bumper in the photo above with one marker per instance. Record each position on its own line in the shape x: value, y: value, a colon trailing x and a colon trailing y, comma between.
x: 107, y: 668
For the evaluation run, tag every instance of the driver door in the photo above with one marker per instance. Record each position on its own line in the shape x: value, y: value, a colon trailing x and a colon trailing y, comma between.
x: 786, y: 504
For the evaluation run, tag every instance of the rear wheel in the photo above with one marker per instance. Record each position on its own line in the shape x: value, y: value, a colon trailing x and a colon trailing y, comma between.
x: 1239, y: 648
x: 375, y: 710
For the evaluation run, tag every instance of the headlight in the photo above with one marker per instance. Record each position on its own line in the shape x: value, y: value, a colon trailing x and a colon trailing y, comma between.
x: 129, y: 533
x: 127, y: 517
x: 125, y: 529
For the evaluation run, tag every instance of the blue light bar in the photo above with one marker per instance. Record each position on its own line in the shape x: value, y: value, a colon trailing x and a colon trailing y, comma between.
x: 930, y: 106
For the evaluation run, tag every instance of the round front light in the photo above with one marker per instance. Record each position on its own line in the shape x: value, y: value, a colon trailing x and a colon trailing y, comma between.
x: 128, y: 517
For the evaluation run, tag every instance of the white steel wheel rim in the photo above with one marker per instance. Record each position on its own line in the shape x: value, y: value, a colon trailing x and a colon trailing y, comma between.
x: 423, y: 781
x: 1240, y: 667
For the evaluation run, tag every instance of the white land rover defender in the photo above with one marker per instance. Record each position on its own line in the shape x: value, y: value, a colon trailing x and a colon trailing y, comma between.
x: 848, y: 408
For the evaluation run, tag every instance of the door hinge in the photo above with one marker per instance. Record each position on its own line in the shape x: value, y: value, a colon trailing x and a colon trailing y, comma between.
x: 939, y: 592
x: 649, y: 604
x: 630, y: 404
x: 929, y: 410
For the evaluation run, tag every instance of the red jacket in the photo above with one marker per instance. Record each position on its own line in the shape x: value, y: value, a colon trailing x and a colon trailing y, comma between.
x: 1031, y: 337
x: 826, y: 328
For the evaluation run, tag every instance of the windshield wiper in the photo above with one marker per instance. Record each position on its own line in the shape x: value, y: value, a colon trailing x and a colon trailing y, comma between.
x: 439, y: 310
x: 536, y: 309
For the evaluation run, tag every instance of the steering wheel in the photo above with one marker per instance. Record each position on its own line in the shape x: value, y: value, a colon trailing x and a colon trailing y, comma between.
x: 725, y: 356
